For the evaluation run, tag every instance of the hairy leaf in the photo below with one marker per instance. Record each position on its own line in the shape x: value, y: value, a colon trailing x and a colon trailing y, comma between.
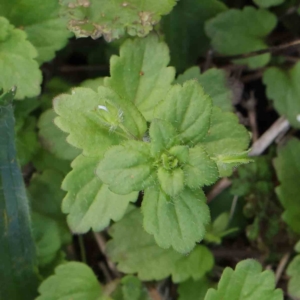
x: 246, y: 282
x: 93, y: 83
x: 287, y: 166
x: 17, y: 64
x: 240, y: 31
x: 200, y: 170
x: 188, y: 109
x: 226, y: 141
x: 283, y: 89
x: 140, y: 74
x: 40, y: 20
x: 136, y: 255
x: 162, y: 135
x: 127, y: 167
x: 184, y: 30
x: 177, y: 222
x: 128, y: 118
x: 215, y: 83
x: 79, y: 116
x: 89, y: 203
x: 171, y: 181
x: 112, y: 19
x: 73, y: 280
x: 53, y: 139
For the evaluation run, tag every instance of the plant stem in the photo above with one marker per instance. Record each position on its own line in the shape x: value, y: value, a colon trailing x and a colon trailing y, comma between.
x: 82, y: 248
x: 272, y: 49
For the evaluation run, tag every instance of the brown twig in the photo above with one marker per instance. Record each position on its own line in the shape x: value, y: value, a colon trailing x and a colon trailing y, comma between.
x: 281, y: 266
x: 103, y: 268
x: 218, y: 188
x: 101, y: 244
x: 208, y: 60
x: 272, y: 49
x: 289, y: 12
x: 277, y: 128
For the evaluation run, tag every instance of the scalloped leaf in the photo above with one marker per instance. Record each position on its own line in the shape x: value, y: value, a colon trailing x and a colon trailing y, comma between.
x: 73, y: 280
x: 293, y: 271
x: 18, y: 67
x: 112, y: 19
x: 287, y: 166
x: 130, y: 119
x: 48, y: 241
x: 140, y: 73
x: 162, y: 135
x: 136, y: 255
x: 241, y: 31
x: 200, y: 170
x: 184, y: 32
x: 188, y: 109
x: 246, y: 282
x: 45, y: 29
x: 282, y: 88
x: 127, y: 167
x: 226, y: 142
x: 53, y: 139
x: 215, y: 83
x: 97, y: 118
x: 171, y: 181
x: 78, y: 116
x: 93, y: 84
x: 89, y: 203
x: 177, y: 222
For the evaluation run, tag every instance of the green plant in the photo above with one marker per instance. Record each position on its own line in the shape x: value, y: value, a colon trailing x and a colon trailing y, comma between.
x: 125, y: 149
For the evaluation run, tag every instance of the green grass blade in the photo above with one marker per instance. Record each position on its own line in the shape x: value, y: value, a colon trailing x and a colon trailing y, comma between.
x: 18, y: 271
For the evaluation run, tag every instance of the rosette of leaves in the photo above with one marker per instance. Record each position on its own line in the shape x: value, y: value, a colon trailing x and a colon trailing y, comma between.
x: 189, y: 144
